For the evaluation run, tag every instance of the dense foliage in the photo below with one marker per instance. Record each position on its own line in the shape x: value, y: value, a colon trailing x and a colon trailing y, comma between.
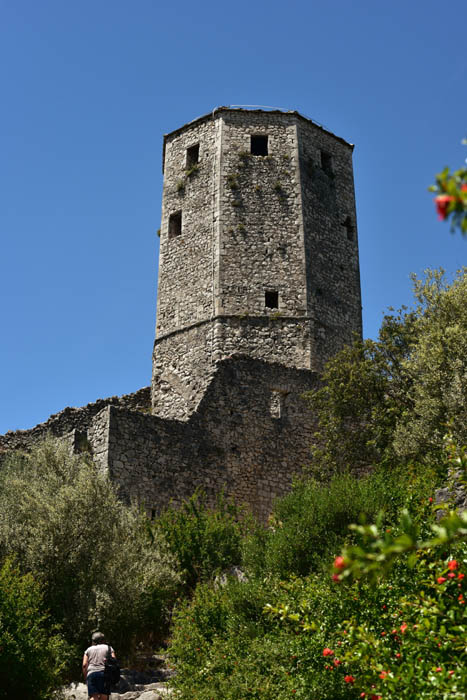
x: 62, y: 521
x: 314, y: 517
x: 265, y: 638
x: 389, y: 400
x: 32, y: 654
x: 388, y: 620
x: 203, y: 540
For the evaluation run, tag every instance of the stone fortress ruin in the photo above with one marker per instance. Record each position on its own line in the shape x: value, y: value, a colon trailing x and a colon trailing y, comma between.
x: 258, y: 286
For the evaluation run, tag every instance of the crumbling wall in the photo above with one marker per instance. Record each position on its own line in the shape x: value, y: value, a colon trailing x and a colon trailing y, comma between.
x: 73, y: 421
x: 250, y: 434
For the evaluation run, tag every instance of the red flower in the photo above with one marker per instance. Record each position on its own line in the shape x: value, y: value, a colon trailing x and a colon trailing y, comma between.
x: 336, y: 578
x: 349, y: 679
x: 363, y: 695
x: 327, y: 651
x: 451, y: 574
x: 430, y: 500
x: 442, y: 202
x: 397, y: 655
x: 339, y: 563
x: 337, y: 662
x: 383, y: 674
x: 460, y: 576
x: 403, y: 627
x: 441, y: 579
x: 452, y: 565
x: 438, y: 669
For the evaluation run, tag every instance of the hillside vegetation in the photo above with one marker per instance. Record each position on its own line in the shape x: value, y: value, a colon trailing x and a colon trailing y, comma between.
x: 354, y: 588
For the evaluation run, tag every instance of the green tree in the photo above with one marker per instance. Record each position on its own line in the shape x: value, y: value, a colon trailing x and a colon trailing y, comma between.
x: 32, y: 655
x: 391, y: 398
x: 62, y: 520
x: 437, y: 365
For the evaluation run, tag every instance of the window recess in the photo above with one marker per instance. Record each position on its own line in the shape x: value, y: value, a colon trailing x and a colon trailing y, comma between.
x: 259, y: 145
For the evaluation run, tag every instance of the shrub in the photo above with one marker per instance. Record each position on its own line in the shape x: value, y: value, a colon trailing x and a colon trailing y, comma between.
x: 204, y: 540
x: 32, y: 655
x: 311, y: 522
x: 63, y: 522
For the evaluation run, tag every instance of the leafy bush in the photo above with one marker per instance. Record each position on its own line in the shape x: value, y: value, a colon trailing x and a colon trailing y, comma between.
x: 311, y: 522
x: 313, y: 637
x: 266, y: 638
x: 32, y: 655
x: 232, y: 644
x: 63, y: 522
x: 204, y: 540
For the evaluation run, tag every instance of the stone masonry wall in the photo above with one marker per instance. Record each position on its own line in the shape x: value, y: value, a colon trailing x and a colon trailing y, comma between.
x: 282, y: 223
x: 72, y: 419
x: 251, y: 432
x: 262, y: 245
x: 331, y: 243
x: 186, y: 271
x: 180, y: 387
x: 185, y: 287
x: 182, y: 369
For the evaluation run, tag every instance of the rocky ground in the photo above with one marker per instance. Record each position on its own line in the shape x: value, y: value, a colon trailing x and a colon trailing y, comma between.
x: 151, y: 684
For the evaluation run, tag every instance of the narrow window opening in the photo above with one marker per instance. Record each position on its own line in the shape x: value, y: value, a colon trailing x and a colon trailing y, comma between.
x: 326, y: 162
x: 275, y: 405
x: 271, y: 300
x: 192, y: 156
x: 259, y: 145
x: 278, y: 404
x: 349, y: 229
x: 175, y: 224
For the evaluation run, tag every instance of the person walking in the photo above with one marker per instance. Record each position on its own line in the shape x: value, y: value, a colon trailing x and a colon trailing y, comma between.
x: 93, y: 667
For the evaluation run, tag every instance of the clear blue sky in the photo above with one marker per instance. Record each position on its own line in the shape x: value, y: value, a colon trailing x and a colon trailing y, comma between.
x: 88, y: 89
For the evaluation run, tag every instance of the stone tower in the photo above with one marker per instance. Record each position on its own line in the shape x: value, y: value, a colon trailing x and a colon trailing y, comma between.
x: 258, y: 250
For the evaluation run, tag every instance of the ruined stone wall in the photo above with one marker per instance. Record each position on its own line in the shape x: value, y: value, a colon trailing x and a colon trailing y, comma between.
x: 182, y: 368
x: 73, y: 420
x: 185, y: 361
x: 251, y: 432
x: 334, y: 299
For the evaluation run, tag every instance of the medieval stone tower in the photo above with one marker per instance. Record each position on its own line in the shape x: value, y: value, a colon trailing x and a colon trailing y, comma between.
x: 258, y: 249
x: 258, y: 287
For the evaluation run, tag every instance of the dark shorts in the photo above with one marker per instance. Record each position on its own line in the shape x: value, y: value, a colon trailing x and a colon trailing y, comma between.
x: 97, y: 683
